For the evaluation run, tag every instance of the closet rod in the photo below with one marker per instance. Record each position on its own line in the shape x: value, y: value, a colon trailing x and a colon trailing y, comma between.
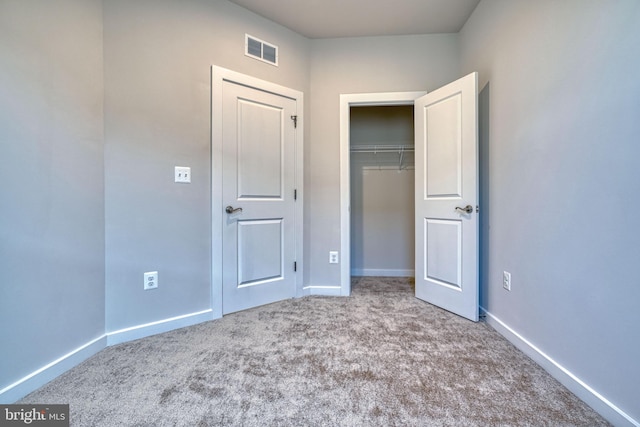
x: 375, y: 149
x: 381, y: 148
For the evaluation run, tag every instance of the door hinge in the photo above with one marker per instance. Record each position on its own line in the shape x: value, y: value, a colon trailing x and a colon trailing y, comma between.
x: 295, y: 194
x: 295, y: 266
x: 295, y: 121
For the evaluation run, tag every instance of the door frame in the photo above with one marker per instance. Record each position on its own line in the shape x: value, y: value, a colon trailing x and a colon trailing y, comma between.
x: 218, y: 76
x: 346, y: 102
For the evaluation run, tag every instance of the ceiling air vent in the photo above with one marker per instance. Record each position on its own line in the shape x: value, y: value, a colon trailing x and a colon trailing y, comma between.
x: 261, y: 50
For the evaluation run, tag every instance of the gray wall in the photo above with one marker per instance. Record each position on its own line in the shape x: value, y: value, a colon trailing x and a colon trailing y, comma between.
x: 358, y: 65
x: 52, y: 185
x: 561, y: 182
x: 158, y: 56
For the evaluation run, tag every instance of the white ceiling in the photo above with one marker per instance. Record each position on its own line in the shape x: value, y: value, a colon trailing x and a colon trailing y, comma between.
x: 356, y: 18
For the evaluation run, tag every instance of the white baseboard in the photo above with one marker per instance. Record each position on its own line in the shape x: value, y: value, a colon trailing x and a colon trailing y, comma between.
x: 158, y: 327
x: 40, y: 377
x: 599, y: 403
x: 382, y: 272
x: 334, y: 291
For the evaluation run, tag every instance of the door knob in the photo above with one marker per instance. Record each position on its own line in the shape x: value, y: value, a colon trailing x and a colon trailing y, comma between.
x: 231, y: 210
x: 467, y: 209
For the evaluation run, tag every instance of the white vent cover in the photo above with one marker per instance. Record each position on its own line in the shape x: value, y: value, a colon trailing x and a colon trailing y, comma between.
x: 259, y: 49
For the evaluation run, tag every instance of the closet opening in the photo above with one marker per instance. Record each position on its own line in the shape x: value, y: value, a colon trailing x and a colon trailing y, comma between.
x: 382, y: 229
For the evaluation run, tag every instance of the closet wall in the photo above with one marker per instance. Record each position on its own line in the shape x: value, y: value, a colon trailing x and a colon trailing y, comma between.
x: 382, y: 191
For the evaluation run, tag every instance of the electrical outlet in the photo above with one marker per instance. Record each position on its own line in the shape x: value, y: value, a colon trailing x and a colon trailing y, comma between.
x: 333, y: 257
x: 182, y: 174
x: 506, y: 280
x: 150, y: 280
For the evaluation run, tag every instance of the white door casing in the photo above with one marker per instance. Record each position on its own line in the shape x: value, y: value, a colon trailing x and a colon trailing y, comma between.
x: 446, y: 173
x: 346, y: 102
x: 256, y: 164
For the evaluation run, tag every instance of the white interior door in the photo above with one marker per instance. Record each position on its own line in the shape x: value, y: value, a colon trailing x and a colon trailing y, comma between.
x: 258, y: 162
x: 446, y: 174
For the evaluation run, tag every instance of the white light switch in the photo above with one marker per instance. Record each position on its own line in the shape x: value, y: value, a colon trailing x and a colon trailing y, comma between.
x: 183, y: 174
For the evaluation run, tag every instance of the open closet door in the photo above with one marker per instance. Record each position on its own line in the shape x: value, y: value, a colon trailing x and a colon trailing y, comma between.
x: 446, y: 174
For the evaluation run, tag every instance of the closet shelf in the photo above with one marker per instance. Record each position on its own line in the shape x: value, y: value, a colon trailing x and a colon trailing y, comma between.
x: 379, y: 149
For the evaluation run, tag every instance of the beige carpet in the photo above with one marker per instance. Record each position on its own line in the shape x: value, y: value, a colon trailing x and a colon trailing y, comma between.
x: 378, y: 358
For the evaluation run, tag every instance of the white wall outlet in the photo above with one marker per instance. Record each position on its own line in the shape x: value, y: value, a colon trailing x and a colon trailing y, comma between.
x: 333, y: 257
x: 506, y: 280
x: 150, y: 280
x: 182, y: 174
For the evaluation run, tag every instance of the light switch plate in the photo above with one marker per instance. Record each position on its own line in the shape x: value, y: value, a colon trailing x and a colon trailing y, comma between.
x: 183, y: 174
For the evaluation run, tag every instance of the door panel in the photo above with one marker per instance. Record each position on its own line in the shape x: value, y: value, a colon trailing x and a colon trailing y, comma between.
x: 447, y: 178
x: 260, y: 256
x: 260, y: 150
x: 443, y: 160
x: 258, y: 165
x: 442, y: 255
